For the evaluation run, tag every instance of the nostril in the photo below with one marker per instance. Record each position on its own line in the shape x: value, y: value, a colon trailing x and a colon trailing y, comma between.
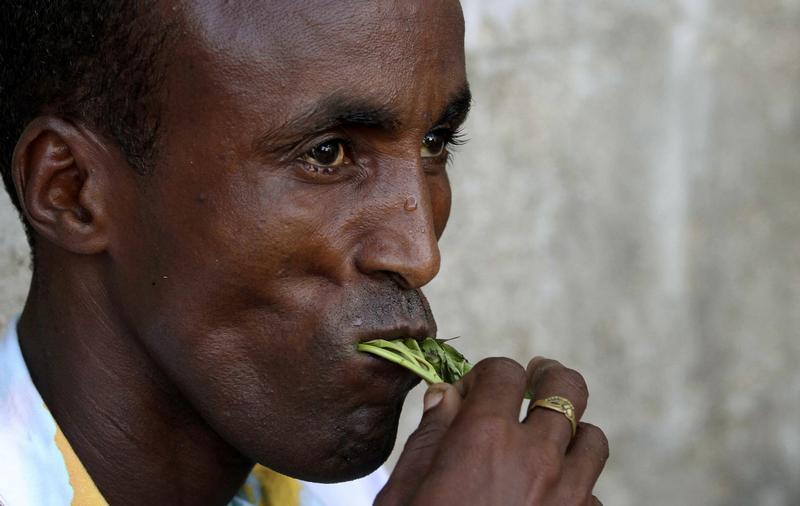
x: 401, y: 281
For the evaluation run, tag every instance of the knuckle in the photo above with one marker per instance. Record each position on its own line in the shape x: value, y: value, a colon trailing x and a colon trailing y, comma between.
x: 499, y: 363
x: 506, y: 367
x: 569, y: 383
x: 540, y: 363
x: 576, y: 381
x: 597, y: 438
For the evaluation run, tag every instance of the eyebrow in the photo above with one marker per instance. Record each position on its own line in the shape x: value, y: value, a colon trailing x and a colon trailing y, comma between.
x: 457, y: 108
x: 335, y: 111
x: 341, y: 111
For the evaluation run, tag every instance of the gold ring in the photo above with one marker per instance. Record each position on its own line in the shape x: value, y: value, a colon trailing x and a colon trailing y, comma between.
x: 562, y: 405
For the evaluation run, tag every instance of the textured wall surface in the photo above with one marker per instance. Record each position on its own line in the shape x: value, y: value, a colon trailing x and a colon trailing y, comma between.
x: 630, y: 204
x: 14, y: 262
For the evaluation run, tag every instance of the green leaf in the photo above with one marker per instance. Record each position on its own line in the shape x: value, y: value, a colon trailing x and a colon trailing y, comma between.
x: 433, y: 360
x: 407, y: 355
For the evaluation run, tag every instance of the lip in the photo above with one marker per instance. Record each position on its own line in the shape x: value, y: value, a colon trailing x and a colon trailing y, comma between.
x: 417, y: 332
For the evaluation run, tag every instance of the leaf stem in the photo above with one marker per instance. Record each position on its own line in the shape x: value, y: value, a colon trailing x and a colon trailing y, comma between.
x: 401, y: 356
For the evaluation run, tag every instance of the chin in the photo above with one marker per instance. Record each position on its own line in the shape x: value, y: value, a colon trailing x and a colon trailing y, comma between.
x: 355, y: 465
x: 357, y: 448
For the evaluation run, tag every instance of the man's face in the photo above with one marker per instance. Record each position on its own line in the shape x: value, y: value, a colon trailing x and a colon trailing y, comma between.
x: 294, y: 211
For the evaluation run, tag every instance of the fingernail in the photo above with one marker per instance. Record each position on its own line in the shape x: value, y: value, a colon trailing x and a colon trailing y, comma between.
x: 432, y: 399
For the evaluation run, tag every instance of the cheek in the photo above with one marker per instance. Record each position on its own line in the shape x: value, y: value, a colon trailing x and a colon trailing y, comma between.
x: 441, y: 199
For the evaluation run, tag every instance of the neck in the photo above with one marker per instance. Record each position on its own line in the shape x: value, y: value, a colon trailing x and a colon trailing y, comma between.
x: 132, y: 430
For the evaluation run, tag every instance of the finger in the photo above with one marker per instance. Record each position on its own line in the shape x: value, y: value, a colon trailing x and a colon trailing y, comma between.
x: 586, y: 457
x: 494, y: 387
x: 441, y: 404
x: 596, y: 501
x: 549, y: 378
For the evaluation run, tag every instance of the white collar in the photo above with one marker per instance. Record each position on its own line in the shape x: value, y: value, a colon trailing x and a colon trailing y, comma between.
x: 32, y: 470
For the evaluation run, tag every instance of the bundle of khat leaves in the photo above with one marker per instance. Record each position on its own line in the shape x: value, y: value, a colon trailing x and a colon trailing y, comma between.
x: 433, y: 360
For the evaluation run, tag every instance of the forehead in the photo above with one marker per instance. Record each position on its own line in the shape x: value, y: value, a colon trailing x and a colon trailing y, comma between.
x: 285, y: 55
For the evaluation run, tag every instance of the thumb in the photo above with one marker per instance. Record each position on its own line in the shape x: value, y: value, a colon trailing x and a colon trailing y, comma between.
x: 441, y: 405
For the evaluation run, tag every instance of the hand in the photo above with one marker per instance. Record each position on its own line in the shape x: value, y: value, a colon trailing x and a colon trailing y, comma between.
x: 471, y: 448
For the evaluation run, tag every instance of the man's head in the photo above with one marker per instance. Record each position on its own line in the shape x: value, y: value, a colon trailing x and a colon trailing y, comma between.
x: 292, y: 209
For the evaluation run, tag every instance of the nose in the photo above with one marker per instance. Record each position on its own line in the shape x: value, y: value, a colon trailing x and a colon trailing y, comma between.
x: 402, y: 242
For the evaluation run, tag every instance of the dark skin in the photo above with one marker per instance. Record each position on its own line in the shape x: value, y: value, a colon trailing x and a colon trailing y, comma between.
x: 183, y: 325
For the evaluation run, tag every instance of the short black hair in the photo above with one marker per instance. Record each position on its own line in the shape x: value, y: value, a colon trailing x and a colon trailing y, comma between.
x: 97, y: 62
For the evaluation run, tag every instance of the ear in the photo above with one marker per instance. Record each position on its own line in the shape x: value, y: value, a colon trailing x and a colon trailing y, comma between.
x: 58, y: 174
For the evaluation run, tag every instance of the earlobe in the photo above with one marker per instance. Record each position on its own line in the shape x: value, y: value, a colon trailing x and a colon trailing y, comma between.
x: 54, y: 169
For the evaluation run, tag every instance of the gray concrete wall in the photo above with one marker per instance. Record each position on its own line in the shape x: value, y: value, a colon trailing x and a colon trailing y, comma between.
x: 630, y: 204
x: 14, y: 262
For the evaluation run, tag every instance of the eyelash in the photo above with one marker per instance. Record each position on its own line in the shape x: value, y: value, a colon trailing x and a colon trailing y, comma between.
x: 456, y: 137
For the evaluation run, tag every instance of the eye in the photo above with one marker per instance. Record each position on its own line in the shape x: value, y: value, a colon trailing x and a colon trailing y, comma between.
x: 328, y: 154
x: 434, y: 143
